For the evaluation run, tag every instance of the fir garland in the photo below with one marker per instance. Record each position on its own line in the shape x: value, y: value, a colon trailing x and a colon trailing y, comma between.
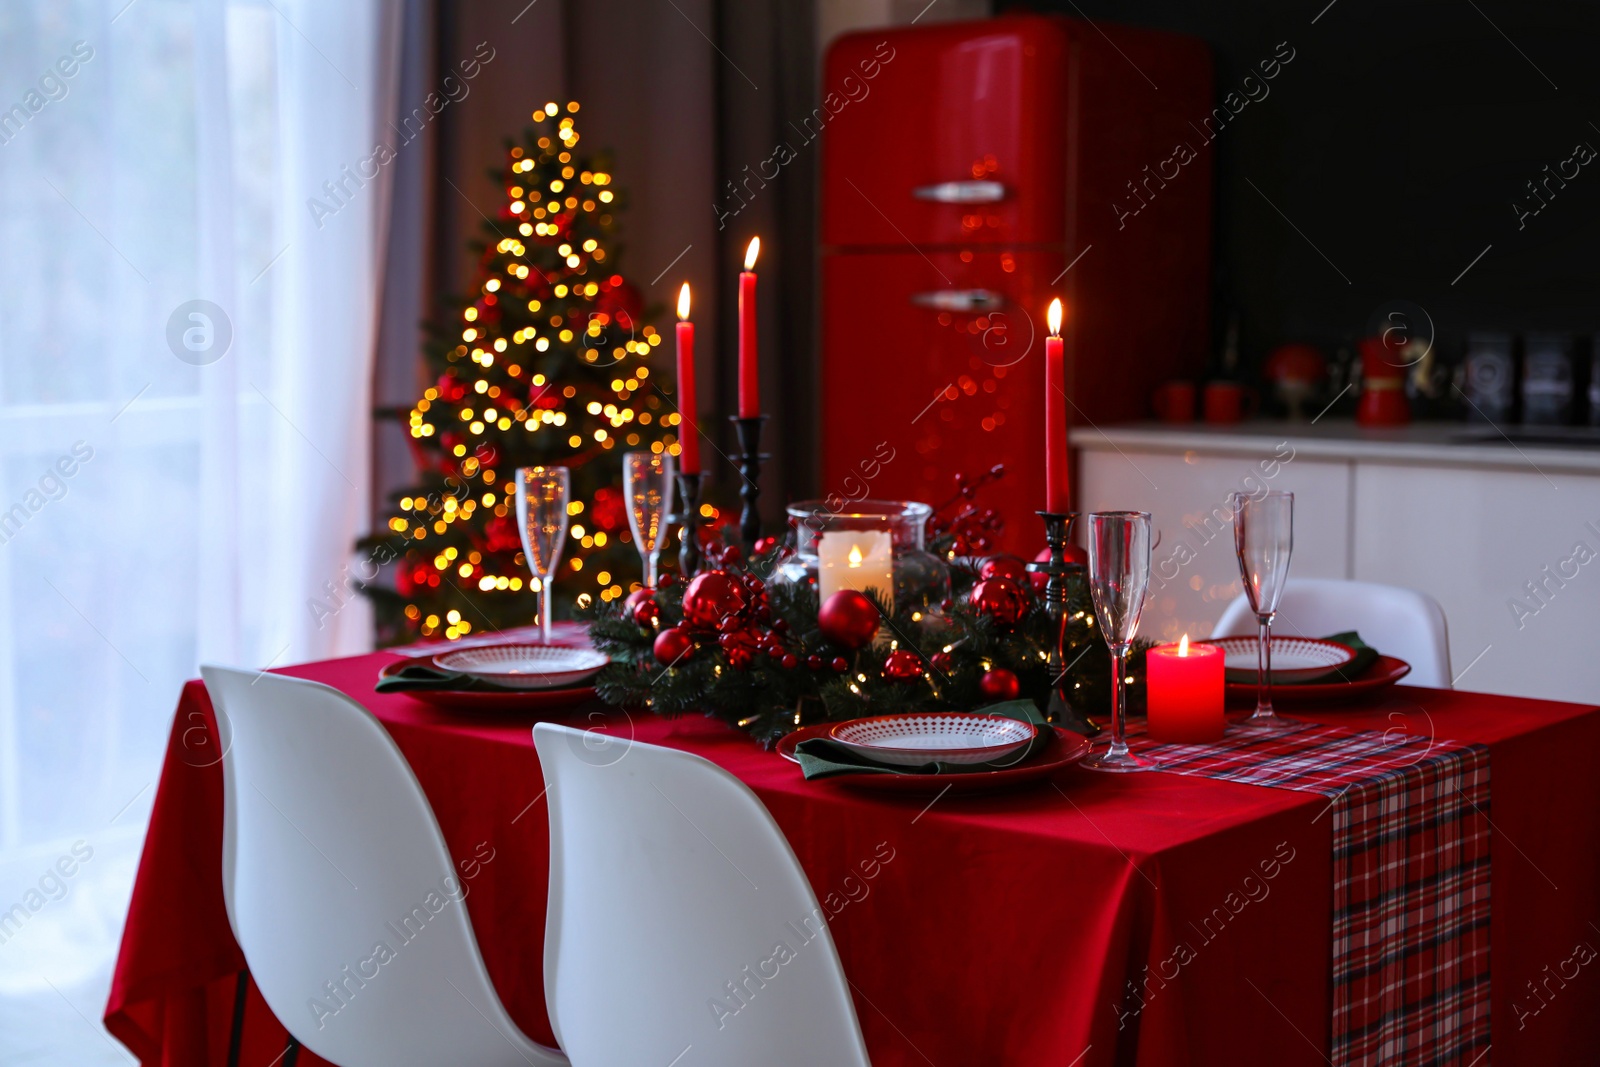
x: 956, y: 647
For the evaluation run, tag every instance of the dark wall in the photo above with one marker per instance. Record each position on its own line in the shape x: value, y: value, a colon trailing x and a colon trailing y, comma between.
x: 1397, y: 141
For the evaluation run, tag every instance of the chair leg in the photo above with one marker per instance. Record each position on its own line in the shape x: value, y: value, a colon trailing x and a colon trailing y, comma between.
x: 291, y: 1052
x: 236, y: 1035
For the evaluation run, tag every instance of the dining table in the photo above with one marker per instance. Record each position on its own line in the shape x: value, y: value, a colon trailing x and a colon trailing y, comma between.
x: 1208, y: 912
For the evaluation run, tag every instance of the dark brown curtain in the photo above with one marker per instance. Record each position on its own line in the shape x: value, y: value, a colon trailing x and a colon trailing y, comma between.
x: 692, y: 98
x: 766, y: 78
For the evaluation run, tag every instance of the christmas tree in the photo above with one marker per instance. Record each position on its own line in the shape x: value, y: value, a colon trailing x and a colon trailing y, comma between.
x: 545, y: 362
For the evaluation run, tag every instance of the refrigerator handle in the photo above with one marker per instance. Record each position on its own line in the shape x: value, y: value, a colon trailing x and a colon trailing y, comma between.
x: 959, y: 299
x: 961, y: 192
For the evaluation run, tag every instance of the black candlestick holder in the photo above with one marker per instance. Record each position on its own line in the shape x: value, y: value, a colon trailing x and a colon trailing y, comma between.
x: 750, y: 458
x: 688, y: 517
x: 1059, y: 571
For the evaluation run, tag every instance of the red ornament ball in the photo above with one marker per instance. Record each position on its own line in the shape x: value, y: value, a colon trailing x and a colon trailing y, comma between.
x: 544, y: 397
x: 1074, y: 555
x: 640, y: 607
x: 500, y: 535
x: 999, y: 684
x: 940, y: 661
x: 902, y: 665
x: 840, y: 664
x: 1034, y: 577
x: 711, y: 597
x: 790, y: 661
x: 1003, y: 567
x: 848, y: 619
x: 672, y: 644
x: 814, y: 662
x: 610, y: 509
x: 1004, y: 600
x: 451, y: 388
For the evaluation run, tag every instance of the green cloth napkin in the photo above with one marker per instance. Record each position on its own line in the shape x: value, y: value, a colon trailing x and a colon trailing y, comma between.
x: 1366, y: 656
x: 821, y: 758
x: 422, y: 676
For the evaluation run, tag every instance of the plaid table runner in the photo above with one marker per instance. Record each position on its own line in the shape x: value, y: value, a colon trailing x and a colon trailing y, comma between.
x: 1410, y: 879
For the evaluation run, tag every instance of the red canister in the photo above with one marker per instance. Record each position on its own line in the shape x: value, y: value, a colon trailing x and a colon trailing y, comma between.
x: 1383, y: 380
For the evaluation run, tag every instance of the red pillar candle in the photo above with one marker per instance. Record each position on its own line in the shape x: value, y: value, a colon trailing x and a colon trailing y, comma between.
x: 1058, y: 487
x: 688, y: 426
x: 1183, y: 690
x: 749, y: 384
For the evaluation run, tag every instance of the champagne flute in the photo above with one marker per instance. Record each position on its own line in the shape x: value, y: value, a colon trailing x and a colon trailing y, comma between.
x: 647, y: 477
x: 1263, y: 538
x: 542, y: 494
x: 1119, y: 575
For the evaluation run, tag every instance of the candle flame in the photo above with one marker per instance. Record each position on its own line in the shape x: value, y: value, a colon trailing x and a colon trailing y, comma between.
x: 683, y: 303
x: 1183, y: 646
x: 1054, y: 317
x: 855, y: 555
x: 751, y: 253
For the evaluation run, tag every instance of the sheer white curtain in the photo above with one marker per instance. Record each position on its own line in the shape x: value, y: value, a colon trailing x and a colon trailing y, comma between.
x: 185, y: 356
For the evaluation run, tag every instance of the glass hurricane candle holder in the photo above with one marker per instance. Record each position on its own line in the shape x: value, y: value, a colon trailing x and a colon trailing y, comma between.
x: 869, y: 544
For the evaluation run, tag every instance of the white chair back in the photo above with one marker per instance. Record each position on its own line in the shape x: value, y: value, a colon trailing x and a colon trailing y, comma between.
x: 681, y: 928
x: 340, y: 889
x: 1394, y: 620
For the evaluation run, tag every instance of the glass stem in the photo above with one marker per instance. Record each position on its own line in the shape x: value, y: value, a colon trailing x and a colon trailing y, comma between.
x: 1264, y: 678
x: 651, y: 567
x: 1119, y: 721
x: 544, y: 607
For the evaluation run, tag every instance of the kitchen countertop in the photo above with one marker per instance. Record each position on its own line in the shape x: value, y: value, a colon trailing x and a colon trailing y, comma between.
x: 1456, y: 444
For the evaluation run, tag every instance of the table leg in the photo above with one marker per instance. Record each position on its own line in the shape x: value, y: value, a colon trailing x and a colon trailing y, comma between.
x: 236, y: 1035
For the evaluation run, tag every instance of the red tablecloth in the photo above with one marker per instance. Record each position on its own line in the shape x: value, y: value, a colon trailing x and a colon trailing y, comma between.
x: 1003, y: 930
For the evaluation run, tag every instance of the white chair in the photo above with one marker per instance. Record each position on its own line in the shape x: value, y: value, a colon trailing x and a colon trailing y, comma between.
x: 340, y: 890
x: 681, y: 928
x: 1394, y: 620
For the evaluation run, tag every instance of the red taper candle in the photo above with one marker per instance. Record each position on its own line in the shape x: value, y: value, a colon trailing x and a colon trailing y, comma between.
x: 1058, y: 485
x: 688, y: 427
x: 749, y: 384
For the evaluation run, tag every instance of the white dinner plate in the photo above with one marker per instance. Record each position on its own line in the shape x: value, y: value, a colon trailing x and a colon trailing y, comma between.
x: 524, y: 666
x: 1293, y: 658
x: 946, y: 736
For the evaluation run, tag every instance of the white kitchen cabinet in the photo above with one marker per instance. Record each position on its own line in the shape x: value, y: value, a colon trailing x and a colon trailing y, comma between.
x: 1195, y: 573
x: 1482, y: 527
x: 1514, y: 557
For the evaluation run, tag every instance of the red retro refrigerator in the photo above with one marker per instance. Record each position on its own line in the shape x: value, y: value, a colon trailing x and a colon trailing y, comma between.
x: 970, y: 172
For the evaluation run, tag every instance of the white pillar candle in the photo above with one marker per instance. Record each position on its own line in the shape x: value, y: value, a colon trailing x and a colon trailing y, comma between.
x: 856, y: 559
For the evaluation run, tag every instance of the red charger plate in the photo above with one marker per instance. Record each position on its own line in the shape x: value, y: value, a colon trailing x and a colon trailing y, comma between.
x: 1386, y: 671
x: 1068, y: 749
x: 492, y: 701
